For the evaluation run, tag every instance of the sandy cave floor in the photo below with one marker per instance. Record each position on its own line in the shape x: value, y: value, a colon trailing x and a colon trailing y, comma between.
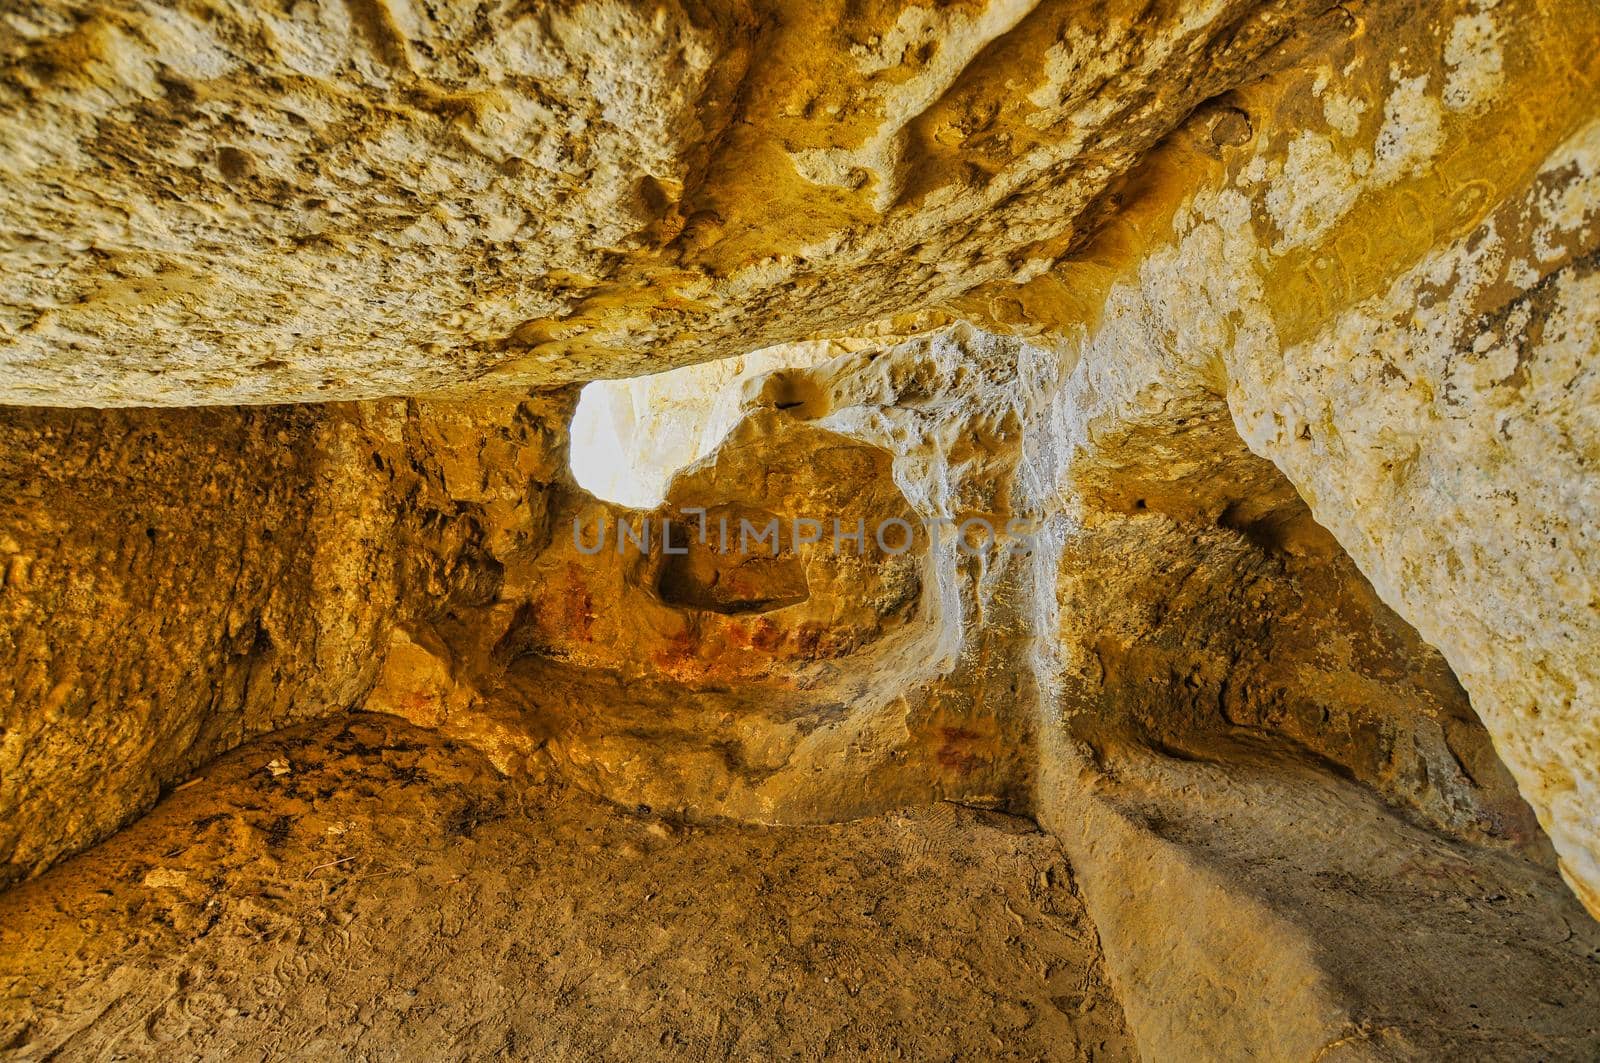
x: 390, y: 896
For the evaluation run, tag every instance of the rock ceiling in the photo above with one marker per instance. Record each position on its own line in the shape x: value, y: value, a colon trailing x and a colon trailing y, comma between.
x: 1279, y: 320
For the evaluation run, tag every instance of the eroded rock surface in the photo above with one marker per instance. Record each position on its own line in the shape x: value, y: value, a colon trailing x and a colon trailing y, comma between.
x: 177, y: 582
x: 1411, y: 350
x: 239, y: 202
x: 293, y: 913
x: 1260, y: 335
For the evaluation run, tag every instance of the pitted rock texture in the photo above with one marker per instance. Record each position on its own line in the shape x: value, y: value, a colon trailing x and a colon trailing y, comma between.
x: 1423, y: 382
x: 241, y: 202
x: 177, y: 582
x: 1221, y: 758
x: 1274, y: 325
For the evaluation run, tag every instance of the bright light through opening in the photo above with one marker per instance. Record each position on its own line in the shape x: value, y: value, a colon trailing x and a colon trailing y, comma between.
x: 630, y: 437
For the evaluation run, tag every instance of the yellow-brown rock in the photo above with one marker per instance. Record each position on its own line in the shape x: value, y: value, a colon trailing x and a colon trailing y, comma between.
x: 1260, y: 338
x: 239, y: 202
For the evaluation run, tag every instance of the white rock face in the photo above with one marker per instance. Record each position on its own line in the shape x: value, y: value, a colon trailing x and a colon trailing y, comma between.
x: 1433, y: 404
x: 1448, y: 432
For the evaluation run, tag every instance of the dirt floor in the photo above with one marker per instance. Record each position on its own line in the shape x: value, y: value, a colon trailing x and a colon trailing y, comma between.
x: 366, y: 890
x: 1427, y: 947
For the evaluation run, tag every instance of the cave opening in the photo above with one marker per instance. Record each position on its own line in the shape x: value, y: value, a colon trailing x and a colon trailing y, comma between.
x: 629, y: 437
x: 1265, y: 333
